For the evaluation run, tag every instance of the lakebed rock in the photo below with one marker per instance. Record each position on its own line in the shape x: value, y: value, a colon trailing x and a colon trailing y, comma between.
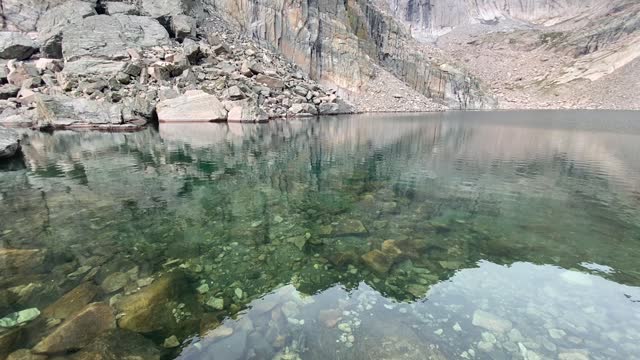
x: 154, y: 308
x: 79, y: 330
x: 119, y: 344
x: 20, y: 260
x: 72, y: 302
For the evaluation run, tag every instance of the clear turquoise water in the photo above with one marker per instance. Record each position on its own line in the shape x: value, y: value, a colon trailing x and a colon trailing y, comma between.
x: 519, y: 232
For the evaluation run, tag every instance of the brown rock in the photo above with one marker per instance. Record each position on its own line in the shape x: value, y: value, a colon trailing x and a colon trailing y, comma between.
x: 71, y: 302
x: 119, y: 344
x: 79, y: 330
x: 20, y: 260
x: 271, y: 82
x: 390, y: 248
x: 329, y: 317
x: 151, y: 309
x: 9, y: 341
x: 378, y: 261
x: 25, y: 354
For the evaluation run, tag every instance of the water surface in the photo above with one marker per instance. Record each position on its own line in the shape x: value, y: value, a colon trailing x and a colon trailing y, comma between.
x: 490, y: 235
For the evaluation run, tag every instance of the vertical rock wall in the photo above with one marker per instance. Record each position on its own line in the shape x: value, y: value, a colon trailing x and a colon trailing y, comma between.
x: 339, y: 41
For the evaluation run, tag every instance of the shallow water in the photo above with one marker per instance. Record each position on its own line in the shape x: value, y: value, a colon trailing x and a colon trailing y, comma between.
x: 513, y: 234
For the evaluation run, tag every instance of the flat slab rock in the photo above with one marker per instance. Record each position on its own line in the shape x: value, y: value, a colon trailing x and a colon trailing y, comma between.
x: 109, y: 37
x: 63, y: 112
x: 193, y: 106
x: 9, y: 142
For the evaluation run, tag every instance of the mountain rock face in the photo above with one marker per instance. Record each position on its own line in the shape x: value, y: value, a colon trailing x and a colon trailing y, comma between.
x: 340, y: 43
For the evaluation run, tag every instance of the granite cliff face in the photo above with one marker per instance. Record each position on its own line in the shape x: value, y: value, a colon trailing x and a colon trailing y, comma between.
x: 340, y: 43
x: 351, y: 44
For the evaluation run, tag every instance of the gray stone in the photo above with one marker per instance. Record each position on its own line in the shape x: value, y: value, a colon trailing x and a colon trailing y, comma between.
x: 132, y: 68
x: 334, y: 108
x: 21, y: 72
x: 166, y: 8
x: 52, y: 23
x: 302, y: 109
x: 193, y: 106
x: 299, y: 90
x: 19, y: 318
x: 490, y: 321
x: 8, y: 91
x: 270, y: 81
x: 221, y: 49
x: 233, y: 93
x: 91, y: 67
x: 109, y: 37
x: 183, y: 26
x: 23, y: 15
x: 116, y: 7
x: 246, y: 111
x: 65, y: 112
x: 15, y: 45
x: 192, y: 51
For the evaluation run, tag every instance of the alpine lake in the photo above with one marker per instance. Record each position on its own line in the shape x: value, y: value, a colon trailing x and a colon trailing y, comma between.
x: 461, y: 235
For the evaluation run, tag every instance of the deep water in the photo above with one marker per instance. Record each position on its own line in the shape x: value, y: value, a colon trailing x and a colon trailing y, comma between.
x: 486, y: 235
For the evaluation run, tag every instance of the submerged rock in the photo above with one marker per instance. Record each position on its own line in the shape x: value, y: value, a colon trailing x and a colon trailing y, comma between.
x: 193, y: 106
x: 378, y: 261
x: 9, y: 341
x: 153, y: 309
x: 19, y: 318
x: 25, y: 354
x: 118, y: 344
x: 490, y: 321
x: 79, y: 330
x: 20, y: 260
x: 71, y: 302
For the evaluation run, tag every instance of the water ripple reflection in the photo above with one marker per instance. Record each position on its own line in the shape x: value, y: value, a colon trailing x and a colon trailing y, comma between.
x: 445, y: 236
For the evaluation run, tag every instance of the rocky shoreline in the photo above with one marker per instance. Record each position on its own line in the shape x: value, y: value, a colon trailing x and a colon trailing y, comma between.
x: 118, y: 72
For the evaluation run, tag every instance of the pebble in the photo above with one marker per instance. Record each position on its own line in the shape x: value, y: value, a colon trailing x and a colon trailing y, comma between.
x: 557, y: 333
x: 344, y: 327
x: 171, y: 342
x: 203, y: 289
x: 490, y: 321
x: 457, y: 327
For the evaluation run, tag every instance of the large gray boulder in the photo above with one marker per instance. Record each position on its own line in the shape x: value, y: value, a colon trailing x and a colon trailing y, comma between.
x: 193, y: 106
x: 335, y: 108
x: 167, y: 8
x: 61, y: 112
x: 52, y: 22
x: 15, y: 45
x: 9, y: 142
x: 23, y: 15
x: 109, y: 37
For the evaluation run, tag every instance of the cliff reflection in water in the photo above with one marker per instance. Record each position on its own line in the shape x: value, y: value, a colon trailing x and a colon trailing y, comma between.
x: 344, y: 224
